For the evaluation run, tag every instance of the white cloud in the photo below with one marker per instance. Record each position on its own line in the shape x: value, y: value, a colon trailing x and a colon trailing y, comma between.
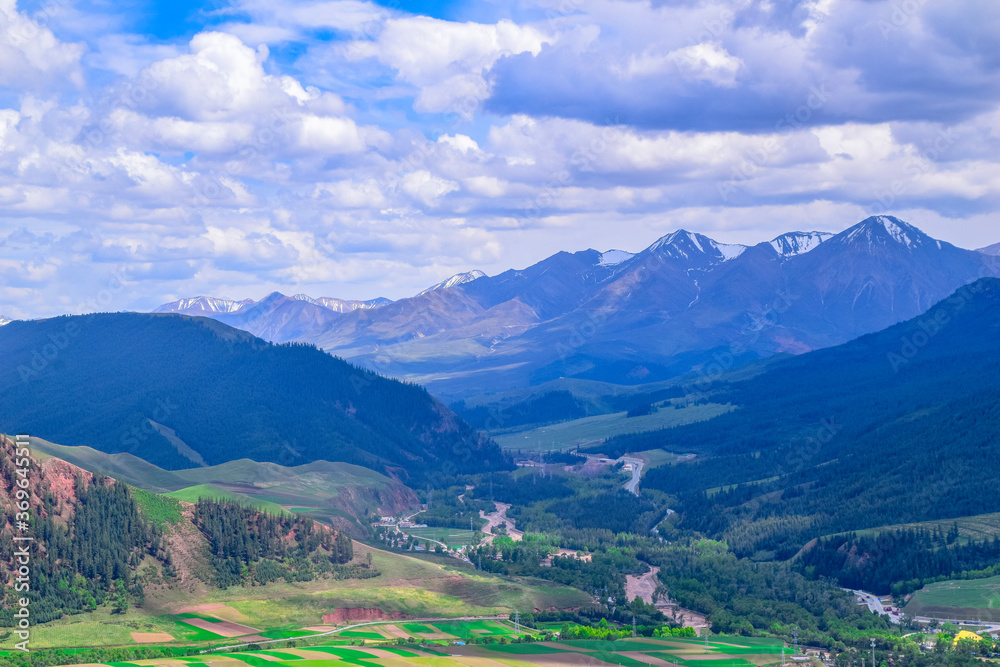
x: 447, y: 62
x: 31, y: 57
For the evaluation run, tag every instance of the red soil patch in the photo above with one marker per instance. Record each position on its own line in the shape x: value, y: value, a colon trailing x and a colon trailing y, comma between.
x: 221, y: 628
x: 219, y: 610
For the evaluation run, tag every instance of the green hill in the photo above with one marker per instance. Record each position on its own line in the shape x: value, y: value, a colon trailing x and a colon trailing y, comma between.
x: 182, y: 391
x: 319, y: 488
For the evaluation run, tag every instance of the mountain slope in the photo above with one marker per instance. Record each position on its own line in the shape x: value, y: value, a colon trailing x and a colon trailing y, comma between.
x: 894, y: 427
x: 991, y: 250
x: 173, y: 389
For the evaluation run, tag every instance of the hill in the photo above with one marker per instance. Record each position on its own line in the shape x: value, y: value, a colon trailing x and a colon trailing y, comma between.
x: 895, y: 427
x: 95, y: 542
x: 327, y: 491
x: 177, y: 390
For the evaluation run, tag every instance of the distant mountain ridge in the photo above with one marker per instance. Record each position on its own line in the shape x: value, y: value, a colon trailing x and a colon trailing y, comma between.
x: 991, y: 249
x: 684, y: 301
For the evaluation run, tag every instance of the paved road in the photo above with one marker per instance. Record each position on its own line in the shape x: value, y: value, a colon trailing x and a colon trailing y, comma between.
x: 875, y: 606
x: 358, y: 625
x: 633, y: 485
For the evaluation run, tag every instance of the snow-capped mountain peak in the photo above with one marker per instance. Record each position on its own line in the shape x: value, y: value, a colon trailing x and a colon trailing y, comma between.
x: 798, y: 243
x: 884, y: 230
x: 3, y: 321
x: 687, y: 245
x: 457, y: 279
x: 206, y: 304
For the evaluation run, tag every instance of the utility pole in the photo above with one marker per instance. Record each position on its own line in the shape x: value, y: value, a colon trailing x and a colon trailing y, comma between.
x: 873, y: 652
x: 795, y: 634
x: 633, y: 626
x: 517, y: 623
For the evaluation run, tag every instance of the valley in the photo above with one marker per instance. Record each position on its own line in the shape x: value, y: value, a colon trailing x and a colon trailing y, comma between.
x: 218, y: 499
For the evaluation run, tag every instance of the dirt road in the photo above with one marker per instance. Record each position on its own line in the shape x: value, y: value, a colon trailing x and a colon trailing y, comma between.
x: 642, y: 586
x: 497, y: 518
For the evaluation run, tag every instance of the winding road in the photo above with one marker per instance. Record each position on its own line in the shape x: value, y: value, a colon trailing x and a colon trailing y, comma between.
x: 633, y: 485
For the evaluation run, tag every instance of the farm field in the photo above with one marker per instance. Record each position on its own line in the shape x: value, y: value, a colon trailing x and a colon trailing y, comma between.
x: 593, y: 430
x: 413, y: 587
x: 972, y: 600
x: 719, y: 652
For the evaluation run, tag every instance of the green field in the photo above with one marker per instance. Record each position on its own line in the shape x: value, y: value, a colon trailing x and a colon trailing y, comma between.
x: 733, y: 652
x: 193, y: 494
x: 594, y: 430
x: 971, y: 600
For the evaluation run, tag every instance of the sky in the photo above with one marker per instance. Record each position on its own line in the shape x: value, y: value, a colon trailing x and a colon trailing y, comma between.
x: 156, y: 150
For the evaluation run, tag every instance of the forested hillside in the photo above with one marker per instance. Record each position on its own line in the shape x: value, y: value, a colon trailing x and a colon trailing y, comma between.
x: 181, y: 391
x: 894, y: 427
x: 99, y: 542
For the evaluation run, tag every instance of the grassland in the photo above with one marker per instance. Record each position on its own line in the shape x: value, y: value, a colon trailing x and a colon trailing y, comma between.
x: 192, y: 494
x: 397, y: 652
x: 971, y: 600
x: 594, y: 430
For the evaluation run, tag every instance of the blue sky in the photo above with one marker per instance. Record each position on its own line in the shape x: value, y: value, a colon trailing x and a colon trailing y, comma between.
x: 150, y: 151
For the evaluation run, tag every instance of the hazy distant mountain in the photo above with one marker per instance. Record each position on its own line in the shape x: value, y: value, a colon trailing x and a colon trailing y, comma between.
x: 684, y: 301
x: 991, y: 250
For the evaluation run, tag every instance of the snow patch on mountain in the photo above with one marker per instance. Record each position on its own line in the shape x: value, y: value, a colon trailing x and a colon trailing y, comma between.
x: 798, y: 243
x: 457, y: 279
x: 730, y: 251
x: 3, y: 321
x: 348, y: 305
x: 614, y: 257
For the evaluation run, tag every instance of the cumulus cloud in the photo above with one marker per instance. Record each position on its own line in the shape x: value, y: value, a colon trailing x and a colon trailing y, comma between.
x: 31, y: 57
x: 447, y: 62
x: 303, y: 146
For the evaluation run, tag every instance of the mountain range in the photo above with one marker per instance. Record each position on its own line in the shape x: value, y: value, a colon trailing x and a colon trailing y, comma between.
x: 683, y: 302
